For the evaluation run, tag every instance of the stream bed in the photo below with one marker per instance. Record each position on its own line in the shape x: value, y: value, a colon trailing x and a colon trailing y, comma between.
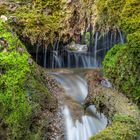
x: 79, y: 124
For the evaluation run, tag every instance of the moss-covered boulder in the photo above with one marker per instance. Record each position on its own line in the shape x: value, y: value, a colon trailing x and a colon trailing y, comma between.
x: 45, y: 22
x: 15, y: 108
x: 40, y: 23
x: 23, y: 91
x: 130, y: 16
x: 121, y: 65
x: 123, y: 114
x: 122, y: 62
x: 108, y: 14
x: 122, y: 128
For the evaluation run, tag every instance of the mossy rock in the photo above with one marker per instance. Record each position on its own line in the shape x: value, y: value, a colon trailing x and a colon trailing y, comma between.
x: 124, y: 115
x: 40, y: 21
x: 108, y: 14
x: 124, y: 128
x: 130, y: 16
x: 24, y: 96
x: 3, y: 9
x: 121, y: 65
x: 16, y: 110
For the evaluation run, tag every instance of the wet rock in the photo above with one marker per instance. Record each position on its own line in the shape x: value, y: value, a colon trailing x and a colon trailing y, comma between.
x: 106, y: 83
x: 77, y: 47
x: 55, y: 127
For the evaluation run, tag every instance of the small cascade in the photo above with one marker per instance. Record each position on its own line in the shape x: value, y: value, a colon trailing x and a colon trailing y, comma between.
x: 80, y: 55
x: 95, y: 47
x: 79, y: 125
x: 57, y: 60
x: 45, y: 57
x: 84, y: 129
x: 37, y: 52
x: 122, y: 38
x: 74, y: 85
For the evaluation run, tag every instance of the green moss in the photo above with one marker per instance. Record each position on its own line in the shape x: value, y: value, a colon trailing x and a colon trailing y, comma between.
x: 108, y: 13
x: 122, y: 67
x: 16, y: 110
x: 23, y: 92
x: 124, y: 14
x: 122, y: 128
x: 3, y: 9
x: 121, y: 64
x: 40, y: 21
x: 111, y: 60
x: 130, y: 16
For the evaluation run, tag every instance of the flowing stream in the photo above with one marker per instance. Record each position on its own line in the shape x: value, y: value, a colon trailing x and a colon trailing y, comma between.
x: 79, y: 124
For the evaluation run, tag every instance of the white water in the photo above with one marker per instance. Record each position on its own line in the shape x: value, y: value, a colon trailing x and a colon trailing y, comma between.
x: 95, y: 48
x: 85, y: 126
x: 79, y: 55
x: 89, y: 126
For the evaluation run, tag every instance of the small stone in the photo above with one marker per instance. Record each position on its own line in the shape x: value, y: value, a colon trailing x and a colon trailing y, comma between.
x: 69, y: 1
x: 4, y: 18
x: 77, y: 47
x: 30, y: 61
x: 106, y: 83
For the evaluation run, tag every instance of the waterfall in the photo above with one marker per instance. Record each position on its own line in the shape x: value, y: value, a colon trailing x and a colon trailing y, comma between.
x: 74, y: 85
x: 82, y: 130
x: 76, y: 57
x: 69, y: 61
x: 78, y: 126
x: 80, y: 55
x: 45, y: 57
x: 121, y: 36
x: 37, y: 53
x: 95, y: 48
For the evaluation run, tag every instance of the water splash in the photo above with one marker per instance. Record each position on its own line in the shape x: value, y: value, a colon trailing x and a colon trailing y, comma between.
x: 89, y: 126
